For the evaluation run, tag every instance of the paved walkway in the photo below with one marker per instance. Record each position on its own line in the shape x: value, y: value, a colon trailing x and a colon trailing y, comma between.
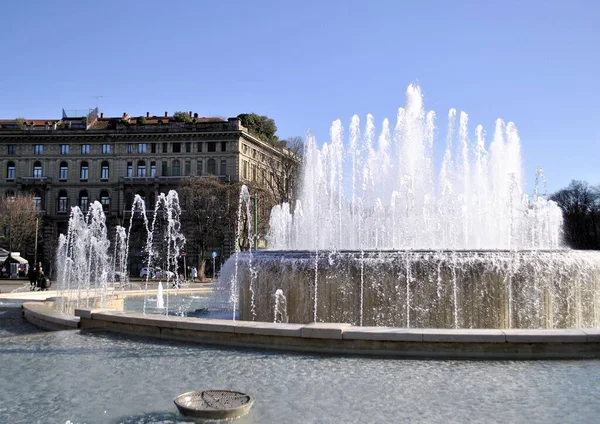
x: 8, y: 285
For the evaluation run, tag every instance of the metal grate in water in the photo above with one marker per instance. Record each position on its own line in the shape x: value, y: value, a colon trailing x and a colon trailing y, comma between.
x: 214, y: 403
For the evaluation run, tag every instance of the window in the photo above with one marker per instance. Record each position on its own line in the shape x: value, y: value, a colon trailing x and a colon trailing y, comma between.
x: 188, y: 167
x: 38, y: 149
x: 176, y: 168
x: 153, y: 169
x: 153, y: 147
x: 164, y: 171
x: 11, y: 149
x: 244, y: 169
x: 176, y: 147
x: 106, y: 149
x: 85, y: 149
x: 63, y: 202
x: 223, y: 146
x: 65, y: 149
x: 130, y: 148
x: 212, y: 146
x: 141, y: 168
x: 211, y: 167
x: 199, y: 147
x: 10, y: 171
x: 253, y: 172
x: 37, y: 200
x: 105, y: 201
x: 83, y: 201
x: 199, y: 169
x: 37, y: 170
x: 164, y: 147
x: 104, y: 174
x: 130, y: 169
x: 223, y: 166
x: 188, y: 147
x: 63, y: 171
x: 142, y: 148
x: 84, y: 171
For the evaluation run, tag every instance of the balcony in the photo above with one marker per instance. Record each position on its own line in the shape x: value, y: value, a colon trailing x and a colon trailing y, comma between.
x: 34, y: 180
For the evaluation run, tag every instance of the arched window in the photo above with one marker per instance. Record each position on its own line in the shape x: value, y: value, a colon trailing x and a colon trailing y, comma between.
x: 211, y: 167
x: 63, y: 202
x: 199, y: 168
x: 63, y: 172
x: 38, y: 200
x: 84, y: 201
x: 141, y: 168
x: 176, y: 168
x: 105, y: 200
x: 104, y: 171
x: 37, y: 169
x: 10, y: 171
x: 223, y: 166
x: 128, y: 200
x: 84, y: 172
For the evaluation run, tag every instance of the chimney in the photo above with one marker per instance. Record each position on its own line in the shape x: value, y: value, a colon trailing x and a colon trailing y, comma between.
x: 166, y: 114
x: 101, y: 115
x: 147, y: 114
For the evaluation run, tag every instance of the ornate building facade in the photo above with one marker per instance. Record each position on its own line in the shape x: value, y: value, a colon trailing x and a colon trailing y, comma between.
x: 79, y: 159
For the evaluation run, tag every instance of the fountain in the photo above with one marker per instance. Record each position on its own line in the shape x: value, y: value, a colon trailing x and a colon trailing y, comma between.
x: 378, y: 238
x: 88, y: 275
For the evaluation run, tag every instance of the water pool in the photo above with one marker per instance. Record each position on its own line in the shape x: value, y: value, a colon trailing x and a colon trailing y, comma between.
x: 95, y: 377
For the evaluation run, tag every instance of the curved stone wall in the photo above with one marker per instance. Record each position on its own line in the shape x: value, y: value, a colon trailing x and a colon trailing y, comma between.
x: 422, y: 289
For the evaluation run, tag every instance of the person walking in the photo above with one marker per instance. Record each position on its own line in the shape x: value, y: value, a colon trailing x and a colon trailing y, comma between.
x: 194, y: 274
x: 33, y: 277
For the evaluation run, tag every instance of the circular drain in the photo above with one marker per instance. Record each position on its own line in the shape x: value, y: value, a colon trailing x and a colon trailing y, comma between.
x: 215, y: 404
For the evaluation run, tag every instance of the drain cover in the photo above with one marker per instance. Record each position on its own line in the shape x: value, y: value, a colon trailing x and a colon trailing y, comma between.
x: 215, y: 404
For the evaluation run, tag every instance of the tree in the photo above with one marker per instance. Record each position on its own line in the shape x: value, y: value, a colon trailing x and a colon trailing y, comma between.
x: 580, y: 204
x: 18, y: 221
x: 261, y: 126
x: 284, y: 171
x: 209, y: 212
x: 182, y: 117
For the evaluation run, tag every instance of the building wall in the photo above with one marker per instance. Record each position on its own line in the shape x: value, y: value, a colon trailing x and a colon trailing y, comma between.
x: 196, y: 148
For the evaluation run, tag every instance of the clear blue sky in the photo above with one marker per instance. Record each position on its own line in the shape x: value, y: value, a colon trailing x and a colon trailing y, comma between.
x: 306, y: 63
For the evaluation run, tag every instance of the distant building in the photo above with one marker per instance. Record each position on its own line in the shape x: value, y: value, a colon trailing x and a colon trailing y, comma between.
x: 85, y: 157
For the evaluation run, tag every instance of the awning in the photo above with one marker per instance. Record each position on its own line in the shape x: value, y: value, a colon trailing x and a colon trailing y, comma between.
x: 15, y: 258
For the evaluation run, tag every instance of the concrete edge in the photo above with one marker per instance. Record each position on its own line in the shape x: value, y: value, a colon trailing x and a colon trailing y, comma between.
x: 337, y: 337
x: 43, y: 315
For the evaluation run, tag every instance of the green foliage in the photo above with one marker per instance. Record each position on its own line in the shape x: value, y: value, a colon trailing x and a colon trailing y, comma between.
x: 182, y: 117
x: 20, y: 122
x: 141, y: 120
x: 261, y: 126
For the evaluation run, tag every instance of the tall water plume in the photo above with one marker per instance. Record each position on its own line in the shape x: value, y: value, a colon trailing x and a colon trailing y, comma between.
x: 387, y: 194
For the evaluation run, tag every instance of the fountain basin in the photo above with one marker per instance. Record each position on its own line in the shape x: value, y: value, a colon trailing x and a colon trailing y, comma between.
x: 527, y: 289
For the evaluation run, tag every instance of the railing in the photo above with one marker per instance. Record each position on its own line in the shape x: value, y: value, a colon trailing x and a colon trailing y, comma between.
x: 29, y: 180
x: 168, y: 178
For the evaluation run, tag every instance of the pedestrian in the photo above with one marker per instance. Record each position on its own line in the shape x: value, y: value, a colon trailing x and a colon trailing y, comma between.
x: 194, y: 274
x: 33, y: 277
